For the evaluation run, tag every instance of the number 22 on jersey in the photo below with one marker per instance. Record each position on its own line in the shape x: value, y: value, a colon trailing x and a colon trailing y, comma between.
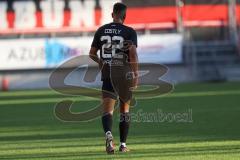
x: 113, y: 43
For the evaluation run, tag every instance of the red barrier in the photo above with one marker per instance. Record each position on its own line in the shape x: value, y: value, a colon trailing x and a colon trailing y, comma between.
x: 238, y: 14
x: 160, y: 17
x: 5, y: 84
x: 205, y: 12
x: 10, y: 19
x: 67, y: 17
x: 98, y: 16
x: 151, y: 15
x: 39, y: 19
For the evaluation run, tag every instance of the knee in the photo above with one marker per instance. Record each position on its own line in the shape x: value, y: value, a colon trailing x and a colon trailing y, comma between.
x: 107, y: 111
x: 124, y: 107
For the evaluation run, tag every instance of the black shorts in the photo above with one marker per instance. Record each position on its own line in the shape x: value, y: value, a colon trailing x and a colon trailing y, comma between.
x: 121, y: 89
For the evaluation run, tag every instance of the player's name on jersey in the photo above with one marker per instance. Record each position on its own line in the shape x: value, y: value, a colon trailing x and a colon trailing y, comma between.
x: 114, y: 31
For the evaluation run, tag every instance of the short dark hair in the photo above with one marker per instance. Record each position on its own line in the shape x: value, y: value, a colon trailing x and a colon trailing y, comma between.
x: 120, y: 10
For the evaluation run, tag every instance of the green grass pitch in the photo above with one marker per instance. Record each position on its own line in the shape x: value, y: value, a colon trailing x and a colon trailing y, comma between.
x: 29, y: 129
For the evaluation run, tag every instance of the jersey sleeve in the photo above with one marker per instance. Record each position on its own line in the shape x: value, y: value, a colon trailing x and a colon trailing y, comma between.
x: 133, y: 37
x: 96, y: 40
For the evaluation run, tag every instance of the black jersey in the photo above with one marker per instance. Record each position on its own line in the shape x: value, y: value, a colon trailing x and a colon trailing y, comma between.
x: 110, y: 40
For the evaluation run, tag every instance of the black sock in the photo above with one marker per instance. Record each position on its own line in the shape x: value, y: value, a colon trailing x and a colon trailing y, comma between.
x: 124, y: 126
x: 107, y: 122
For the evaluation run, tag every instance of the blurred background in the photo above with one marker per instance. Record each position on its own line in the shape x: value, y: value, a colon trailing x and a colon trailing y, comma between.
x: 197, y: 39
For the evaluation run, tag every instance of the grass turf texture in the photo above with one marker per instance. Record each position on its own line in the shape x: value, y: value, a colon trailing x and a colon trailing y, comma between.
x: 29, y: 130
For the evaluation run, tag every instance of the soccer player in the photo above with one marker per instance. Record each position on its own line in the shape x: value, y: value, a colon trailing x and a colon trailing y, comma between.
x: 111, y: 39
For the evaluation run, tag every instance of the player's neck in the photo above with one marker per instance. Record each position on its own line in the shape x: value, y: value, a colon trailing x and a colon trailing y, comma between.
x: 118, y: 21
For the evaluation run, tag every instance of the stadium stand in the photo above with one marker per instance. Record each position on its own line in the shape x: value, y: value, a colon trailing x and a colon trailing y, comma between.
x: 208, y: 27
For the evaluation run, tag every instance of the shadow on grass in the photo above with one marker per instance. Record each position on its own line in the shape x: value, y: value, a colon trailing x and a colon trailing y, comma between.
x: 46, y: 137
x: 137, y: 153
